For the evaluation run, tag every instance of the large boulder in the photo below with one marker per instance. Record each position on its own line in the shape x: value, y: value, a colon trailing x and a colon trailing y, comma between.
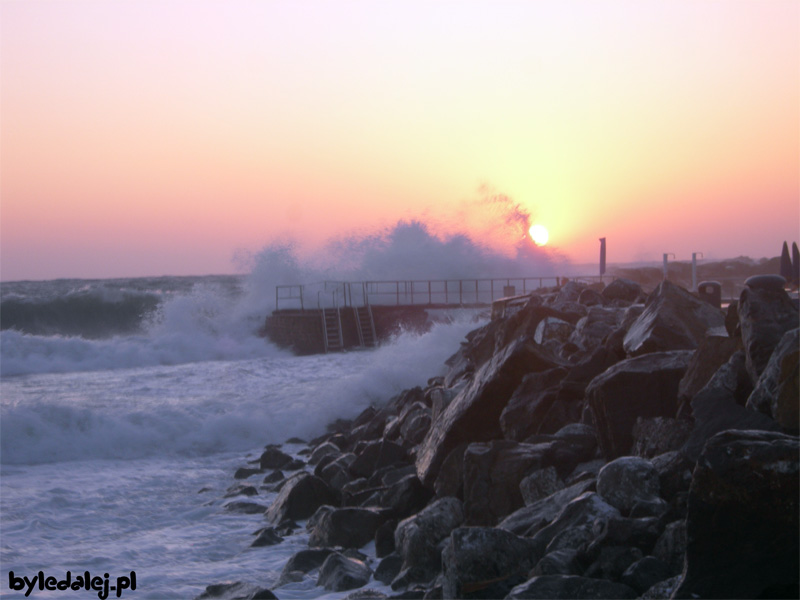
x: 349, y: 527
x: 417, y: 538
x: 376, y: 455
x: 742, y: 523
x: 628, y: 480
x: 645, y: 386
x: 673, y: 319
x: 598, y: 323
x: 766, y: 313
x: 623, y: 289
x: 776, y: 393
x: 300, y: 497
x: 569, y: 587
x: 530, y: 519
x: 474, y: 415
x: 714, y: 351
x: 339, y: 573
x: 484, y: 562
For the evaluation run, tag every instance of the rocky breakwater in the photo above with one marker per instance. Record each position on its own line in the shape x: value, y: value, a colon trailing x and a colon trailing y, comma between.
x: 585, y: 443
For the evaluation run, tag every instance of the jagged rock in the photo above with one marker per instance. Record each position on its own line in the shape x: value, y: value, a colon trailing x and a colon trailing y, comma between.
x: 274, y: 477
x: 477, y: 558
x: 450, y: 480
x: 580, y: 515
x: 247, y: 508
x: 624, y: 290
x: 300, y: 497
x: 713, y: 352
x: 674, y: 473
x: 673, y: 319
x: 590, y: 297
x: 417, y: 538
x: 670, y: 547
x: 235, y: 591
x: 492, y: 473
x: 551, y: 328
x: 339, y: 573
x: 414, y: 422
x: 720, y: 406
x: 652, y: 437
x: 324, y: 449
x: 240, y: 489
x: 662, y: 590
x: 384, y: 538
x: 529, y: 403
x: 765, y: 315
x: 559, y: 562
x: 626, y: 481
x: 540, y: 484
x: 530, y: 519
x: 645, y: 573
x: 742, y: 524
x: 776, y: 393
x: 303, y: 562
x: 569, y: 292
x: 557, y: 587
x: 474, y: 415
x: 366, y: 594
x: 274, y: 458
x: 388, y: 568
x: 405, y: 497
x: 598, y: 323
x: 349, y: 527
x: 245, y: 472
x: 645, y: 386
x: 376, y: 455
x: 613, y: 561
x: 267, y: 537
x: 336, y: 473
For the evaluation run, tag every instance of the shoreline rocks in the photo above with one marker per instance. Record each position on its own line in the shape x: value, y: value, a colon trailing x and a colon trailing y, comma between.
x: 581, y: 445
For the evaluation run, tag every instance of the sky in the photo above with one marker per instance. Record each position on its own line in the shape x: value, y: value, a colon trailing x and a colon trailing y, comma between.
x: 167, y: 137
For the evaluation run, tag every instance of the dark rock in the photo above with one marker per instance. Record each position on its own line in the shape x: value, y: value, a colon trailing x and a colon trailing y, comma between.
x: 777, y: 391
x: 623, y: 289
x: 245, y: 472
x: 366, y: 594
x: 325, y: 449
x: 713, y: 352
x: 613, y: 561
x: 590, y: 297
x: 530, y: 519
x: 274, y: 477
x: 627, y: 480
x: 405, y: 497
x: 662, y: 590
x: 336, y: 473
x: 388, y: 568
x: 303, y: 562
x: 450, y: 480
x: 295, y: 465
x: 247, y: 508
x: 719, y: 406
x: 267, y: 537
x: 670, y: 547
x: 241, y: 489
x: 652, y: 437
x: 673, y: 319
x: 274, y: 458
x: 530, y: 402
x: 556, y: 587
x: 645, y: 386
x: 598, y: 323
x: 551, y: 328
x: 645, y: 573
x: 300, y: 497
x: 540, y: 484
x: 765, y: 315
x: 348, y: 527
x: 235, y: 591
x: 474, y: 415
x: 559, y: 562
x: 475, y: 558
x: 378, y: 454
x: 742, y: 524
x: 384, y: 538
x: 417, y: 538
x: 674, y: 473
x: 339, y: 573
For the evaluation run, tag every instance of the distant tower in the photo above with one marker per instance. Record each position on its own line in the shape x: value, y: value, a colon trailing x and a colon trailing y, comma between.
x: 602, y: 256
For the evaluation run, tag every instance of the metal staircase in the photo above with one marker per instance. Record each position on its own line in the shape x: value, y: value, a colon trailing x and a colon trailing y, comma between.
x: 366, y: 326
x: 332, y: 330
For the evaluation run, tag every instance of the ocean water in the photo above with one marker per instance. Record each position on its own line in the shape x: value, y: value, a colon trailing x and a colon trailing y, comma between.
x: 125, y: 408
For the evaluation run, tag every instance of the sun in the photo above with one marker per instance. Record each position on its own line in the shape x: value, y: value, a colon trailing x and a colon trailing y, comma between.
x: 539, y: 234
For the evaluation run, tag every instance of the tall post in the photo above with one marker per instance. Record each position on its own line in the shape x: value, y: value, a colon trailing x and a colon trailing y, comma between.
x: 666, y: 262
x: 694, y: 269
x: 602, y: 257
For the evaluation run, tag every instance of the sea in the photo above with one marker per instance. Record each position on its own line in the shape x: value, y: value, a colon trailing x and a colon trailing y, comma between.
x: 126, y: 406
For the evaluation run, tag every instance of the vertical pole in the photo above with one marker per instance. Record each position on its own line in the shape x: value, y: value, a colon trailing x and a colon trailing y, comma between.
x: 666, y: 262
x: 694, y: 269
x: 602, y: 257
x: 460, y: 292
x: 430, y: 300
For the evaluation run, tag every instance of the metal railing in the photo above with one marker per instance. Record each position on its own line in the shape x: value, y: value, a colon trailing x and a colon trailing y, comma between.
x: 428, y: 292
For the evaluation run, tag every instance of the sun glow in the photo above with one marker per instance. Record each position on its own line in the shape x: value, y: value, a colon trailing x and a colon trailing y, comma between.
x: 539, y: 234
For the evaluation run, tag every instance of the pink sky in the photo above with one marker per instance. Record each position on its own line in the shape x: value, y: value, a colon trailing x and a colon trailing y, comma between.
x: 149, y: 138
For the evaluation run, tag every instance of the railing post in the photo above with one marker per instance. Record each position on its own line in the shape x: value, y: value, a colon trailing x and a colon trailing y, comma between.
x: 302, y: 306
x: 491, y: 287
x: 430, y: 300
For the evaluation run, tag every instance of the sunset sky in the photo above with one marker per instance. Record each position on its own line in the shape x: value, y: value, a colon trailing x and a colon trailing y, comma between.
x: 164, y: 137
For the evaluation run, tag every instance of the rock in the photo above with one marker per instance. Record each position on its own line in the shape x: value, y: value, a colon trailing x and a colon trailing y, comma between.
x: 765, y: 315
x: 530, y: 519
x: 274, y: 477
x: 366, y: 594
x: 247, y: 508
x: 662, y: 590
x: 274, y: 458
x: 241, y: 489
x: 414, y: 422
x: 325, y: 449
x: 713, y: 352
x: 540, y: 484
x: 645, y: 386
x: 590, y: 297
x: 245, y: 472
x: 592, y: 329
x: 492, y: 474
x: 570, y: 587
x: 376, y: 455
x: 384, y: 538
x: 450, y: 480
x: 670, y: 548
x: 339, y: 573
x: 267, y: 537
x: 528, y: 405
x: 303, y: 562
x: 612, y: 562
x: 645, y: 573
x: 742, y: 524
x: 474, y: 415
x: 551, y: 328
x: 719, y: 406
x: 776, y: 392
x: 234, y: 591
x: 674, y: 473
x: 417, y: 538
x: 300, y: 497
x: 388, y: 568
x: 349, y: 527
x: 624, y: 290
x: 405, y: 497
x: 477, y: 558
x: 627, y: 480
x: 560, y: 562
x: 673, y: 319
x: 336, y: 473
x: 652, y: 437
